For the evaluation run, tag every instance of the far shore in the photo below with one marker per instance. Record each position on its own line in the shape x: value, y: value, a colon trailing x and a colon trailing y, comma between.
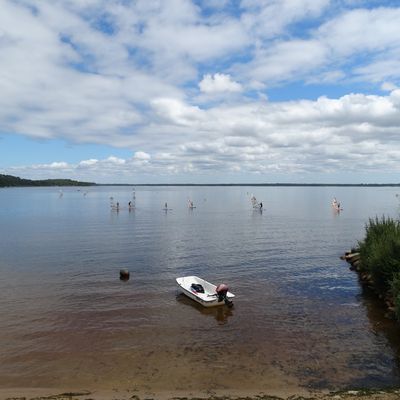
x: 126, y: 394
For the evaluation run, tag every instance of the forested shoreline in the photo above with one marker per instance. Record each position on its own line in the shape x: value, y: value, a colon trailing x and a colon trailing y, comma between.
x: 15, y: 181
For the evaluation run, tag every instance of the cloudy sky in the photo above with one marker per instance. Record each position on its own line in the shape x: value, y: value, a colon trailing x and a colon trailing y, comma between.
x: 164, y: 91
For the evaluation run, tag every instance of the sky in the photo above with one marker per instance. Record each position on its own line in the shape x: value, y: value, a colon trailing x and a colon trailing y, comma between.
x: 191, y: 91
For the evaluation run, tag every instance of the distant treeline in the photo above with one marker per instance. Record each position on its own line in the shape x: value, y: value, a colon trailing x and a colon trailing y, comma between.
x: 9, y: 180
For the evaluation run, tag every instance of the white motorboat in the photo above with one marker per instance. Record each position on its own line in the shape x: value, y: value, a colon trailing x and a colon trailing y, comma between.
x: 204, y: 292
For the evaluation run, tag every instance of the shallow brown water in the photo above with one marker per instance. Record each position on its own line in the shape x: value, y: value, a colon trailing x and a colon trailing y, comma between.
x: 300, y: 316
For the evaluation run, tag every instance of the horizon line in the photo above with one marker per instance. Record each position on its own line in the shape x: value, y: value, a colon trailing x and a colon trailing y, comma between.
x: 250, y: 184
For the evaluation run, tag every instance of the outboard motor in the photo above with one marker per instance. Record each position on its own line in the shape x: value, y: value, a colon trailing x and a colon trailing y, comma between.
x: 222, y: 291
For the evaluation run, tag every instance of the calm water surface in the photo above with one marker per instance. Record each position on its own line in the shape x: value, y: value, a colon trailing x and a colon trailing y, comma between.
x: 300, y: 316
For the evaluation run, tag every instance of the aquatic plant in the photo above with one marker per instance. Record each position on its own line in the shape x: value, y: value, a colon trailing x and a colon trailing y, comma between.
x: 395, y: 287
x: 380, y: 256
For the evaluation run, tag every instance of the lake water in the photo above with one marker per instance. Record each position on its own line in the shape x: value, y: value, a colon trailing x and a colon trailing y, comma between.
x: 300, y: 317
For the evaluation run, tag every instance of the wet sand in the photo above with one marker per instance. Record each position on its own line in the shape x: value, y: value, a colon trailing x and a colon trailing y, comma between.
x: 119, y: 394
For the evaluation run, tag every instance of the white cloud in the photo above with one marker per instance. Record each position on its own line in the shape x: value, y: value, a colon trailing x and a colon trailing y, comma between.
x: 388, y: 86
x: 331, y: 52
x: 362, y: 30
x: 115, y: 160
x: 126, y: 75
x: 58, y: 165
x: 141, y: 156
x: 176, y: 111
x: 354, y: 132
x: 219, y: 83
x: 88, y: 163
x: 271, y: 18
x: 285, y: 60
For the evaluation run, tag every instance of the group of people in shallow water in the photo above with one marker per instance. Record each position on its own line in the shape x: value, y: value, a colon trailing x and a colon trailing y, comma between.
x: 117, y: 207
x: 256, y: 204
x: 131, y: 205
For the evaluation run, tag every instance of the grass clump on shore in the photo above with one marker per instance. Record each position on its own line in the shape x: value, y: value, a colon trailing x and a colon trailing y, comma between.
x: 396, y: 294
x: 380, y: 257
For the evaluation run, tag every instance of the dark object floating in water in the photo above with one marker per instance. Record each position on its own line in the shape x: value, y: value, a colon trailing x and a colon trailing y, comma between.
x: 124, y: 274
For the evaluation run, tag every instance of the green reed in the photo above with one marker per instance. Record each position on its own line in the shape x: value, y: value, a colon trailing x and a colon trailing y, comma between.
x: 380, y: 257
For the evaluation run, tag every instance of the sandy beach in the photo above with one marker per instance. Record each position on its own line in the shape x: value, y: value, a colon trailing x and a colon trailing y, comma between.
x: 119, y: 394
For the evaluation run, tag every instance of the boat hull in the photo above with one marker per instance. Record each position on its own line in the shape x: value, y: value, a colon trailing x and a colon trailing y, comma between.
x: 206, y: 299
